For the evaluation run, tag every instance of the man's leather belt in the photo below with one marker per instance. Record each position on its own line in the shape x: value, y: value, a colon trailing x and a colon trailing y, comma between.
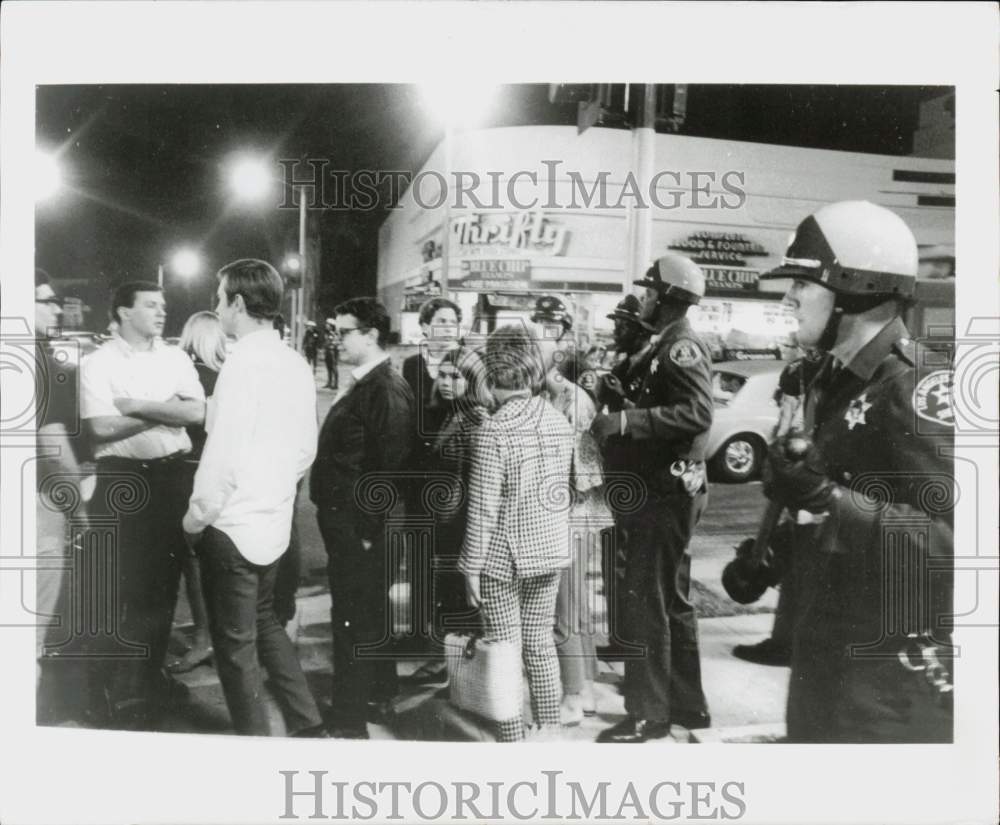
x: 141, y: 462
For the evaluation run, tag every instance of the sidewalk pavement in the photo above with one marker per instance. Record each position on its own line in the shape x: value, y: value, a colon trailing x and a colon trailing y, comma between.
x: 747, y: 701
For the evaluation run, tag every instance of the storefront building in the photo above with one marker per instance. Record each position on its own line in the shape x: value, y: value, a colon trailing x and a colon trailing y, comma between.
x: 536, y: 210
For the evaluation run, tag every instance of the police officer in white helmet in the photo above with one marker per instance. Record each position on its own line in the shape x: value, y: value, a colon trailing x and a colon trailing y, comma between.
x: 871, y: 565
x: 660, y: 436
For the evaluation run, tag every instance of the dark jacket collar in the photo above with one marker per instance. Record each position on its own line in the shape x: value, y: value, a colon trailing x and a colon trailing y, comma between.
x: 874, y: 352
x: 379, y: 371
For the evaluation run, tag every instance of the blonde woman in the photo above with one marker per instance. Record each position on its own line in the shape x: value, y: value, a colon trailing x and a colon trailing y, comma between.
x: 204, y: 341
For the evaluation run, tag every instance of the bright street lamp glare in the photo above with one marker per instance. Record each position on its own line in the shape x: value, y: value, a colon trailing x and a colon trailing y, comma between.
x: 186, y: 263
x: 292, y: 263
x: 48, y: 176
x: 461, y: 103
x: 250, y: 179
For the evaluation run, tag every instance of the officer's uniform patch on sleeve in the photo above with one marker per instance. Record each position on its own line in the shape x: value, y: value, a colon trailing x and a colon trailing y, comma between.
x: 932, y: 398
x: 685, y: 353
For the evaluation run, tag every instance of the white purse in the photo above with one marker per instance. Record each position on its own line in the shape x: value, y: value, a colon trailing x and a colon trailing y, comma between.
x: 484, y: 677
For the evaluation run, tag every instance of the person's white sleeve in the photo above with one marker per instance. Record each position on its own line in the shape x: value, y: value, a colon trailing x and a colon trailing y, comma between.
x: 308, y: 429
x: 235, y: 409
x: 96, y: 397
x: 188, y: 385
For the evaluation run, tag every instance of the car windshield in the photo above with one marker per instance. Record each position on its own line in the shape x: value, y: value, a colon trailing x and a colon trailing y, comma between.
x: 725, y: 385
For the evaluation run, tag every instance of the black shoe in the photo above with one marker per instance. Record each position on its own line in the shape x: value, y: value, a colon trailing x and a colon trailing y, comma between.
x: 635, y: 731
x: 314, y: 732
x: 434, y: 672
x: 348, y: 732
x: 691, y: 720
x: 768, y: 652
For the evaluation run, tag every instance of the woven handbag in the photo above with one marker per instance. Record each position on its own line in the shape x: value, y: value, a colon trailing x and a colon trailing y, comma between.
x: 484, y: 677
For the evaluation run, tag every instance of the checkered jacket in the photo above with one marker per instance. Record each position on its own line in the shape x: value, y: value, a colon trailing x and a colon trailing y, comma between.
x: 519, y: 497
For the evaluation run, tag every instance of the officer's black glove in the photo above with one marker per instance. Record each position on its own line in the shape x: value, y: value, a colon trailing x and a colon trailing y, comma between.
x: 604, y: 426
x: 796, y: 476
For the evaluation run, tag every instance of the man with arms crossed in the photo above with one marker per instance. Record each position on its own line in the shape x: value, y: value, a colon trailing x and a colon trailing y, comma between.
x: 137, y: 395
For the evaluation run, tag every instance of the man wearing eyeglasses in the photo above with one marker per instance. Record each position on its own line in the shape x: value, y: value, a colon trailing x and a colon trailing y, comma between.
x: 365, y: 440
x: 57, y: 420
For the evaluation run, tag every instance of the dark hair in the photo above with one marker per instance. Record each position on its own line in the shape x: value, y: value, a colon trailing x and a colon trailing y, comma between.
x: 124, y: 296
x: 569, y: 364
x: 370, y: 314
x: 41, y: 277
x: 278, y: 322
x: 513, y: 361
x: 471, y: 367
x: 258, y: 282
x: 430, y: 307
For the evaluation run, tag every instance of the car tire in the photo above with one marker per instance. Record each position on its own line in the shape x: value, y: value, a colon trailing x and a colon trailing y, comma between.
x: 739, y: 458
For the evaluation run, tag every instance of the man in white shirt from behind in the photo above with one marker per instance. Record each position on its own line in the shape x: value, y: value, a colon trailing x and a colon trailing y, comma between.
x: 261, y: 440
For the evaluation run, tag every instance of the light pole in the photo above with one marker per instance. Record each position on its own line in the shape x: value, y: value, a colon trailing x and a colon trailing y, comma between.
x: 185, y: 262
x: 251, y: 180
x: 456, y: 104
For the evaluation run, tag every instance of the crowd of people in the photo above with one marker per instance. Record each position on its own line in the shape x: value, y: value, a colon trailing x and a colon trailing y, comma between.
x: 519, y: 472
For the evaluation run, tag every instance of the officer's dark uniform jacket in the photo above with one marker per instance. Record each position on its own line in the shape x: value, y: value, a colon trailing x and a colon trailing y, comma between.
x: 880, y: 425
x: 671, y: 386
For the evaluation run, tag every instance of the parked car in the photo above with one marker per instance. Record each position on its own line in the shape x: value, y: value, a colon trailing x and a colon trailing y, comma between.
x: 75, y: 345
x: 746, y: 415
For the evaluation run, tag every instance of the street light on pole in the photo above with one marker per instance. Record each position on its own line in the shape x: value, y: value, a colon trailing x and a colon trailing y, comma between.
x: 251, y: 181
x: 185, y: 262
x: 456, y: 104
x: 48, y: 177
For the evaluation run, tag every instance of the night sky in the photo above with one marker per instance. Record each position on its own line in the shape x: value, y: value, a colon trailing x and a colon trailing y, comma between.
x: 146, y: 166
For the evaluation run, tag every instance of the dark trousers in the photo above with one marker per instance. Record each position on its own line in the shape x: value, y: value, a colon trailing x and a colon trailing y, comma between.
x: 239, y: 596
x: 289, y: 572
x: 331, y: 371
x: 657, y: 612
x: 140, y: 504
x: 364, y: 669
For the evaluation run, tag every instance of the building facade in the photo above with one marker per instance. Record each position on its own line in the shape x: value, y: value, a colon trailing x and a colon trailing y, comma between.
x: 535, y: 210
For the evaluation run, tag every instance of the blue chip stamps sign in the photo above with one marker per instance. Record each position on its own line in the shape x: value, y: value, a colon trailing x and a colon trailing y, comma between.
x: 494, y: 273
x: 731, y: 279
x: 723, y: 258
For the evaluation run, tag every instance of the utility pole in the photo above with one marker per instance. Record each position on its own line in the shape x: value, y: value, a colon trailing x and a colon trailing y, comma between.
x: 296, y: 327
x: 639, y: 249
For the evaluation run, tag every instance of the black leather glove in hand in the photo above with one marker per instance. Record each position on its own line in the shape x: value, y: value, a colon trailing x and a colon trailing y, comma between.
x: 797, y: 479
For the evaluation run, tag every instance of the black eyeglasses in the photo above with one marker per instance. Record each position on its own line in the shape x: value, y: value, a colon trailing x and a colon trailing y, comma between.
x: 341, y: 332
x: 58, y: 302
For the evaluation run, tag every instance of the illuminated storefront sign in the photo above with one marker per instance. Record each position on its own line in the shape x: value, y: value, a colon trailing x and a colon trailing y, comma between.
x: 506, y: 233
x: 482, y: 274
x: 736, y: 280
x: 731, y: 248
x: 723, y: 258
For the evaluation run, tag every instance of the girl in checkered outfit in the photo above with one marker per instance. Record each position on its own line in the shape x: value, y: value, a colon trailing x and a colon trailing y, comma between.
x: 517, y: 537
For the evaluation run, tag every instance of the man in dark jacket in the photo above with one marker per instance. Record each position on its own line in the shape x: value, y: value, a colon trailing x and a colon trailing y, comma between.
x: 365, y: 440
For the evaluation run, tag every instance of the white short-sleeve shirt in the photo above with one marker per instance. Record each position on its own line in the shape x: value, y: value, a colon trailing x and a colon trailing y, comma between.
x: 116, y: 370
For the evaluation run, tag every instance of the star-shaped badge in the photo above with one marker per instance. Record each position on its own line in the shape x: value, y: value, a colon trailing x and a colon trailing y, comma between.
x: 856, y: 411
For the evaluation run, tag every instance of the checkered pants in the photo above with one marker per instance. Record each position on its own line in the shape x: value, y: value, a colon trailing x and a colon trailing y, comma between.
x: 521, y: 611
